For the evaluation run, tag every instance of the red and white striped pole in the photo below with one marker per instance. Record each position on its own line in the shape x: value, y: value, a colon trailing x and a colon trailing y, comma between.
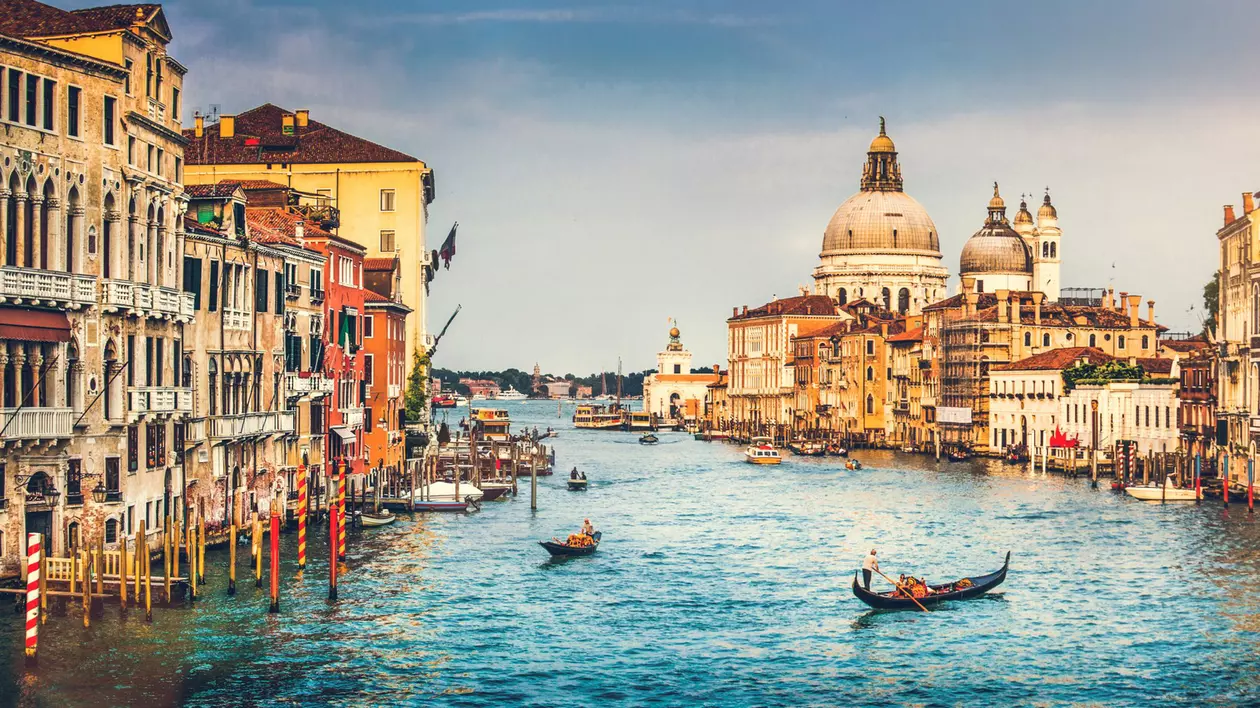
x: 33, y: 551
x: 302, y: 511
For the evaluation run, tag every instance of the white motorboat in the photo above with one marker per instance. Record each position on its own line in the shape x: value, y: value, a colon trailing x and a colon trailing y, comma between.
x: 1153, y: 492
x: 445, y: 492
x: 510, y: 395
x: 479, y: 397
x: 459, y: 401
x: 762, y: 452
x: 377, y: 519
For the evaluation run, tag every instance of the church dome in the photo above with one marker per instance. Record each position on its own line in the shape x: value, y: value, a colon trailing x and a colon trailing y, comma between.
x: 1023, y: 216
x: 1047, y: 210
x: 996, y: 248
x: 881, y: 221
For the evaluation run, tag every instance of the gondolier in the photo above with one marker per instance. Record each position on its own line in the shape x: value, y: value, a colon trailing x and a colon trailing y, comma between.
x: 869, y: 565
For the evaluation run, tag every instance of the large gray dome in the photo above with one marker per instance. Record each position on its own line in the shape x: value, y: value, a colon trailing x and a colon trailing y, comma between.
x: 881, y: 221
x: 996, y: 248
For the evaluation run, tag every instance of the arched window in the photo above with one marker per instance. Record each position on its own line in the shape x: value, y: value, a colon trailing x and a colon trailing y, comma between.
x: 1093, y: 340
x: 979, y: 286
x: 1054, y: 250
x: 111, y: 382
x: 886, y: 294
x: 903, y: 301
x: 843, y: 296
x: 111, y: 531
x: 187, y: 372
x: 870, y: 373
x: 1045, y: 339
x: 107, y: 238
x: 72, y: 375
x: 1146, y: 341
x: 1120, y: 341
x: 870, y: 404
x: 1028, y: 339
x: 1045, y: 250
x: 72, y: 536
x: 212, y: 376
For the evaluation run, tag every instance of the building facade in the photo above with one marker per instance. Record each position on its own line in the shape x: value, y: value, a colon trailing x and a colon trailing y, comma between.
x: 674, y: 393
x: 384, y: 365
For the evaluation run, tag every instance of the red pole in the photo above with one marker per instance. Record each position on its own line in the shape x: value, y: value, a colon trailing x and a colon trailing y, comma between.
x: 302, y: 511
x: 1225, y: 481
x: 332, y: 546
x: 275, y: 556
x: 33, y: 551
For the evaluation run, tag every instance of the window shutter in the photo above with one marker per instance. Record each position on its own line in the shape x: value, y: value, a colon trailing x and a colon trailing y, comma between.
x: 213, y: 301
x: 260, y: 290
x: 280, y: 288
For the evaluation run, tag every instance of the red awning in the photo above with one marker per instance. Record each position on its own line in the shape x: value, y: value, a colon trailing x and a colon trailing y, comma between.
x: 34, y: 325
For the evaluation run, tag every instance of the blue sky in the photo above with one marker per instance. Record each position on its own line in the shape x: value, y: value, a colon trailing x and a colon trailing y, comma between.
x: 616, y: 164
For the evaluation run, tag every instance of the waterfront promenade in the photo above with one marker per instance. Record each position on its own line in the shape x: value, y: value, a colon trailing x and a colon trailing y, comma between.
x: 718, y: 583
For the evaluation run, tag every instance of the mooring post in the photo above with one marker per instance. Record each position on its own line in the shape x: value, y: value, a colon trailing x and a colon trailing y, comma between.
x: 34, y: 576
x: 275, y: 556
x: 122, y: 574
x: 86, y: 586
x: 144, y: 562
x: 302, y: 511
x: 232, y: 559
x: 341, y: 510
x: 533, y: 485
x: 167, y: 564
x: 1225, y: 479
x: 201, y: 548
x: 175, y: 541
x: 258, y: 549
x: 332, y: 546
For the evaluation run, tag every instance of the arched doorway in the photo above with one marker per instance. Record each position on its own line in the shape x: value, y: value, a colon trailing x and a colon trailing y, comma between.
x: 1023, y: 430
x: 38, y: 509
x: 674, y: 400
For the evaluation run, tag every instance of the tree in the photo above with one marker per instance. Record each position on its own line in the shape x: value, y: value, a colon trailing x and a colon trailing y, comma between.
x: 1211, y: 304
x: 416, y: 399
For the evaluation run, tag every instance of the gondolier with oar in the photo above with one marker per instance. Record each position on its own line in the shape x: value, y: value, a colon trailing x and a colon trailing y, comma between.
x: 869, y: 565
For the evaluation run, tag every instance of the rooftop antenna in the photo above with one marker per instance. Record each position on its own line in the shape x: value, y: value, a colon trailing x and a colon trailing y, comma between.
x: 214, y: 112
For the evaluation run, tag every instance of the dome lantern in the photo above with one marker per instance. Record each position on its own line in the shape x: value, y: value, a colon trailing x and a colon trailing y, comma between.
x: 881, y: 173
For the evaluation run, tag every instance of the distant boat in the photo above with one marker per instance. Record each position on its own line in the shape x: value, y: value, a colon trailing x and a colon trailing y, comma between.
x: 367, y: 518
x: 648, y: 439
x: 577, y: 485
x: 564, y: 549
x: 510, y: 395
x: 479, y: 397
x: 761, y: 452
x: 458, y: 401
x: 445, y: 491
x: 1168, y: 492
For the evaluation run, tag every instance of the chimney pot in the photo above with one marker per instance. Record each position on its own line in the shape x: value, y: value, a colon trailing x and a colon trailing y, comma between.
x: 1123, y: 305
x: 1135, y: 302
x: 1150, y: 311
x: 227, y: 126
x: 303, y: 117
x: 1229, y: 214
x: 199, y: 124
x: 735, y: 311
x: 1248, y: 204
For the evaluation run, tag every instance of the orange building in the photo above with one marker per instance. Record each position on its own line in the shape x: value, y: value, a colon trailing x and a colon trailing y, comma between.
x: 384, y: 363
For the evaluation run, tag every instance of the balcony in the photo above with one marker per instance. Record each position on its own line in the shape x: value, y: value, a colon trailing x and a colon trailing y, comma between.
x: 292, y: 291
x: 142, y: 299
x: 252, y: 424
x: 328, y: 217
x: 352, y: 417
x: 313, y: 383
x: 158, y: 399
x: 157, y: 111
x: 395, y: 392
x: 49, y: 288
x: 36, y: 424
x: 317, y: 295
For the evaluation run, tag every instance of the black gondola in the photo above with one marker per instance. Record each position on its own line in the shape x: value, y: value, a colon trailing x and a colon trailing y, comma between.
x: 648, y: 439
x: 564, y: 549
x: 980, y: 584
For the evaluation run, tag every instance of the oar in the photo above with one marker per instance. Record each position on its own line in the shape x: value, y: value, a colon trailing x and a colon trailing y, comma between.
x: 907, y: 592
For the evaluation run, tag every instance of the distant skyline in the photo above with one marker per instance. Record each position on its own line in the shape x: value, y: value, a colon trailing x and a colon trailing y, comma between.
x: 614, y: 165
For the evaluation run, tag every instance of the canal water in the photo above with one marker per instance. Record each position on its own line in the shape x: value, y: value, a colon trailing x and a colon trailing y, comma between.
x: 717, y: 583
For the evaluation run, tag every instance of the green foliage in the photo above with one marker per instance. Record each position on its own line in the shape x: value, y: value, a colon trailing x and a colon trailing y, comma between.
x: 416, y: 398
x: 1211, y: 303
x: 1095, y: 374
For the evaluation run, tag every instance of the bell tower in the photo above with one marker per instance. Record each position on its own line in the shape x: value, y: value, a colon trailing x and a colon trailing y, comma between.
x: 1047, y: 256
x: 675, y: 359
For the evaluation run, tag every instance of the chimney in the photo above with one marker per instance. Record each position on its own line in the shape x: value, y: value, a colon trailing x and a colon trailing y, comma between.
x: 1135, y: 302
x: 286, y: 124
x: 745, y: 309
x: 227, y: 126
x: 883, y: 330
x: 303, y: 117
x: 1229, y: 214
x: 1037, y: 298
x: 199, y: 124
x: 1150, y: 311
x: 1003, y: 297
x: 1015, y: 316
x: 299, y: 230
x: 1107, y: 299
x: 1123, y: 305
x: 735, y: 311
x: 717, y: 369
x: 1248, y: 205
x: 968, y: 284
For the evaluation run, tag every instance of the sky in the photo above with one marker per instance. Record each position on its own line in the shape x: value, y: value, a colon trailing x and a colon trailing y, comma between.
x: 613, y: 165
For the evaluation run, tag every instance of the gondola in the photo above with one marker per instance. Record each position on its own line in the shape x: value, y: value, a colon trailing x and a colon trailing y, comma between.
x: 648, y: 439
x: 564, y: 549
x: 980, y: 584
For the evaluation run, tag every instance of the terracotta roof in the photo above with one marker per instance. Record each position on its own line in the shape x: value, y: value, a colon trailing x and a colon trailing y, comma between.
x: 914, y: 335
x: 250, y: 184
x: 1152, y: 365
x: 1184, y: 345
x: 1056, y: 315
x: 379, y: 264
x: 28, y: 18
x: 192, y: 226
x: 370, y: 296
x: 956, y: 302
x: 283, y: 221
x: 316, y: 143
x: 222, y: 190
x: 1057, y: 359
x: 375, y: 299
x: 801, y: 305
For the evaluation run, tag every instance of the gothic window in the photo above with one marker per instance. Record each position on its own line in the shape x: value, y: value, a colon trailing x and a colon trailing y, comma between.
x: 870, y: 373
x: 870, y: 404
x: 1093, y: 340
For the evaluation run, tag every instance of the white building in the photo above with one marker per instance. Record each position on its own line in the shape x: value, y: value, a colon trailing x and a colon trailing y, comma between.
x: 881, y: 244
x: 1127, y: 410
x: 1024, y: 396
x: 674, y: 392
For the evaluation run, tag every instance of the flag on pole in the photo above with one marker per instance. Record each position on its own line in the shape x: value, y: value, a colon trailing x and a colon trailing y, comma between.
x: 343, y: 339
x: 447, y: 251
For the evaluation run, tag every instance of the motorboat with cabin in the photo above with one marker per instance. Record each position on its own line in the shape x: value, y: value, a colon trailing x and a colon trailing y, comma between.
x: 510, y: 395
x: 761, y: 452
x: 597, y: 417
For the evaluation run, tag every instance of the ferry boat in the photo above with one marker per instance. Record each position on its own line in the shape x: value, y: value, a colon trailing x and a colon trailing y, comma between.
x: 510, y: 395
x: 594, y: 417
x: 640, y: 420
x: 762, y: 452
x: 492, y: 424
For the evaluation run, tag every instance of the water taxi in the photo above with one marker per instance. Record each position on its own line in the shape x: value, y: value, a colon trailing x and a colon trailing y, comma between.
x: 510, y: 395
x: 593, y: 417
x: 640, y: 420
x: 491, y: 424
x: 762, y: 452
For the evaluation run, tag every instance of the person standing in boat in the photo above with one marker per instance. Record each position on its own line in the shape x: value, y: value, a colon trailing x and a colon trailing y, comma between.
x: 587, y: 528
x: 869, y: 565
x: 574, y: 473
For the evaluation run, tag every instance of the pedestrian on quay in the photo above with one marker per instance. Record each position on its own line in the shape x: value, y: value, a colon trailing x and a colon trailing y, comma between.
x: 869, y: 564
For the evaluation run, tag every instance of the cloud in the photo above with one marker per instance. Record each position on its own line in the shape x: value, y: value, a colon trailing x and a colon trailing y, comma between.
x: 612, y: 15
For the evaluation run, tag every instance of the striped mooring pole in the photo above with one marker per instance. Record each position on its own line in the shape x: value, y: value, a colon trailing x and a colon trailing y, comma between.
x: 341, y: 511
x: 34, y: 544
x: 302, y: 517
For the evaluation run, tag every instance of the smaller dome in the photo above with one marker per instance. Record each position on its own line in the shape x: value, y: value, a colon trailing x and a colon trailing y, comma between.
x: 673, y: 332
x: 1047, y: 210
x: 1023, y: 216
x: 882, y: 143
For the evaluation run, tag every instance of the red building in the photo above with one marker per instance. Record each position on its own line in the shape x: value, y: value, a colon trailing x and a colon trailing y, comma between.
x: 384, y: 363
x: 343, y: 315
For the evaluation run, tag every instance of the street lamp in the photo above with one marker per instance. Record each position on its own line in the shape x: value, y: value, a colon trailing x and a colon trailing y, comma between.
x: 99, y: 494
x: 51, y: 495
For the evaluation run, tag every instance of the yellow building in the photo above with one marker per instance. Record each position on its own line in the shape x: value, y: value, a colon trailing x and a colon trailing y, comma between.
x: 380, y: 195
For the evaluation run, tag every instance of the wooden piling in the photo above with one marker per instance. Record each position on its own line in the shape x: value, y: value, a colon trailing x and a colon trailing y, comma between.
x: 533, y: 485
x: 175, y: 539
x: 168, y: 566
x: 43, y: 582
x: 148, y: 583
x: 192, y: 563
x: 74, y: 570
x: 275, y: 556
x: 99, y: 564
x: 122, y: 573
x: 232, y: 559
x: 341, y: 509
x: 332, y: 546
x: 258, y: 551
x: 86, y: 584
x: 201, y: 548
x: 302, y: 512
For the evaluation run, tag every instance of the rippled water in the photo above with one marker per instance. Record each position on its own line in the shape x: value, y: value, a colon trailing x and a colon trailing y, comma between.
x: 717, y: 583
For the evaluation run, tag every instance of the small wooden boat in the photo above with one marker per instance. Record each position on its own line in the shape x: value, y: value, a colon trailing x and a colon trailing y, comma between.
x: 958, y: 455
x: 577, y: 485
x: 381, y: 518
x: 564, y: 549
x: 442, y: 505
x: 648, y: 439
x: 979, y: 585
x: 852, y: 464
x: 1156, y: 493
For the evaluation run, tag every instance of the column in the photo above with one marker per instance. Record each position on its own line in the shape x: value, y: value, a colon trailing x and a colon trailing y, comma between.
x: 35, y: 355
x: 20, y: 231
x: 160, y: 259
x: 4, y: 364
x: 56, y: 250
x: 75, y: 374
x: 131, y: 248
x: 109, y: 255
x: 151, y: 265
x: 37, y: 220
